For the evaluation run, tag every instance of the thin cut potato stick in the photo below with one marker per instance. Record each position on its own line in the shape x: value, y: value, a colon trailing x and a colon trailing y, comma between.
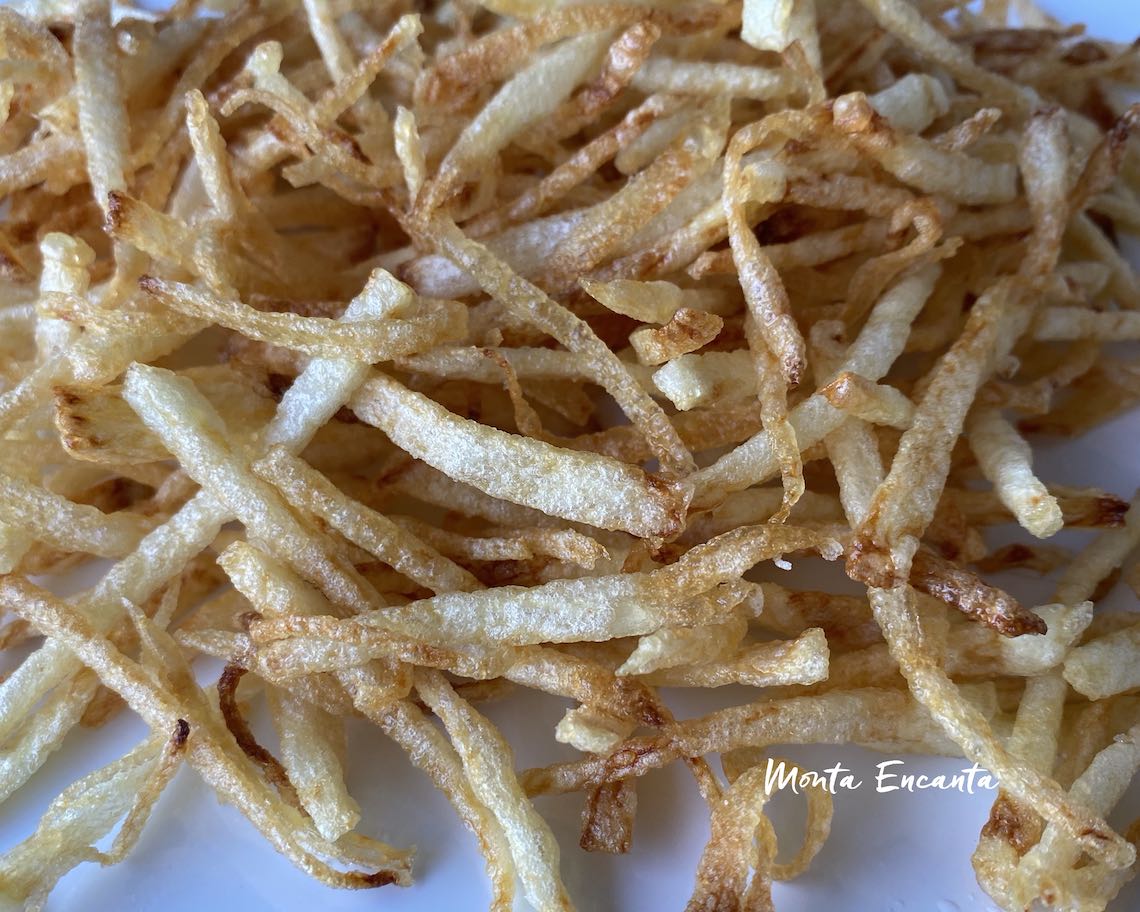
x: 673, y: 646
x: 429, y: 749
x: 306, y: 488
x: 621, y: 219
x: 498, y: 281
x: 722, y: 873
x: 1004, y: 458
x: 52, y: 519
x: 198, y: 440
x: 102, y: 113
x: 108, y: 792
x: 686, y: 331
x: 656, y: 257
x: 871, y: 402
x: 962, y: 720
x: 1098, y: 668
x: 206, y: 749
x: 310, y: 402
x: 28, y: 747
x: 763, y: 289
x: 681, y: 77
x: 512, y: 109
x: 627, y: 604
x: 880, y: 342
x: 311, y: 739
x: 924, y: 166
x: 693, y: 380
x: 800, y: 661
x: 634, y: 501
x: 489, y: 766
x: 364, y: 340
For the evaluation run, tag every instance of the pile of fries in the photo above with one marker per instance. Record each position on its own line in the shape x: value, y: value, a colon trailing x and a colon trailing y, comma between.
x: 404, y: 355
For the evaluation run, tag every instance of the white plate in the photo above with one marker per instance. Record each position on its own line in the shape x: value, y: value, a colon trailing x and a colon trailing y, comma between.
x: 894, y: 852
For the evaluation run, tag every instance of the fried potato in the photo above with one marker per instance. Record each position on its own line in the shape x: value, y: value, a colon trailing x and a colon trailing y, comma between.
x: 403, y: 360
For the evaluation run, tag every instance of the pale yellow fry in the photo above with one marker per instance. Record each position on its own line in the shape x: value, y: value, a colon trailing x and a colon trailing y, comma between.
x: 198, y: 438
x: 1105, y: 666
x: 306, y: 488
x: 874, y: 403
x: 687, y: 331
x: 311, y: 738
x: 28, y: 747
x: 103, y: 121
x: 871, y: 355
x: 693, y: 380
x: 308, y: 736
x: 592, y: 608
x: 622, y: 220
x: 1064, y: 323
x: 722, y: 873
x: 57, y: 521
x: 468, y: 362
x: 429, y: 749
x: 593, y: 489
x: 66, y: 270
x: 410, y: 151
x: 764, y: 291
x: 921, y: 164
x: 712, y: 80
x: 225, y: 194
x: 1034, y: 741
x: 80, y: 816
x: 367, y: 341
x: 520, y: 544
x: 649, y: 302
x: 905, y: 502
x: 515, y: 106
x: 353, y: 86
x: 489, y: 764
x: 592, y: 731
x: 334, y: 49
x: 1005, y: 459
x: 804, y: 660
x: 672, y: 646
x: 912, y: 103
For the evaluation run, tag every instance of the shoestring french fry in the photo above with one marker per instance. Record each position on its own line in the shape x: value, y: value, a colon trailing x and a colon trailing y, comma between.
x: 406, y: 360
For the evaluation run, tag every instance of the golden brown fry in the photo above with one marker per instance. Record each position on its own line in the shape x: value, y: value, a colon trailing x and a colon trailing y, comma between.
x: 207, y: 749
x: 960, y: 588
x: 722, y: 874
x: 658, y: 255
x: 685, y: 332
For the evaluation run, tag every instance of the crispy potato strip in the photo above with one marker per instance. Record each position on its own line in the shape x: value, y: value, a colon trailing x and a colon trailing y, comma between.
x: 477, y: 455
x: 402, y: 360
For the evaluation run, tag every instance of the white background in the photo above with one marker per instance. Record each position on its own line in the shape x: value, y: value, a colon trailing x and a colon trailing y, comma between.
x: 891, y: 852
